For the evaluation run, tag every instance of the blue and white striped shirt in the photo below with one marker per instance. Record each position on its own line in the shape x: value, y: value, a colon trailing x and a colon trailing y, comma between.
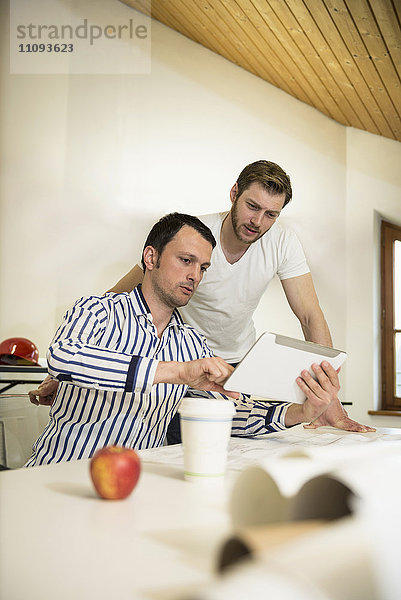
x: 105, y: 355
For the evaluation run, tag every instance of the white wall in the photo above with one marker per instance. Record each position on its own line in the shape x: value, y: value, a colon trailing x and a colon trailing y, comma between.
x: 373, y: 192
x: 89, y: 162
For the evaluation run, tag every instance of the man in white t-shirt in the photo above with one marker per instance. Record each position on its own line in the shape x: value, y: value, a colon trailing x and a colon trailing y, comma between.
x: 251, y: 249
x: 231, y: 291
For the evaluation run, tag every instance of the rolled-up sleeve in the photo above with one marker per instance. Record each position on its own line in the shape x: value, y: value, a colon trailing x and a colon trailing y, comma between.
x: 76, y: 353
x: 254, y: 418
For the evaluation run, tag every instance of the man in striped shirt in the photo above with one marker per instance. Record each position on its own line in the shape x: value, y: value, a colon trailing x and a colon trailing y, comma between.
x: 125, y: 361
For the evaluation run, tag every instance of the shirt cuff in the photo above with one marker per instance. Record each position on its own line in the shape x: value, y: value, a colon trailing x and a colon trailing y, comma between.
x: 275, y: 416
x: 141, y: 374
x: 283, y: 414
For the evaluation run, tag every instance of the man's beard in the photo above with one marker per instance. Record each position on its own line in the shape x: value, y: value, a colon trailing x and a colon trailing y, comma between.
x: 234, y: 222
x: 168, y: 298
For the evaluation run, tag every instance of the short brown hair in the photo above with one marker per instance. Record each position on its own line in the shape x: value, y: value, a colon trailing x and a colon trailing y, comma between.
x: 268, y: 175
x: 168, y: 226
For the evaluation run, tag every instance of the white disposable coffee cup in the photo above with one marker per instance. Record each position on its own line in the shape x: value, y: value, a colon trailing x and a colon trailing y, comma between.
x: 205, y: 429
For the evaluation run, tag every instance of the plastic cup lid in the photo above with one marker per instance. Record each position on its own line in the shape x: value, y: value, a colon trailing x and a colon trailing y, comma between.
x: 206, y: 407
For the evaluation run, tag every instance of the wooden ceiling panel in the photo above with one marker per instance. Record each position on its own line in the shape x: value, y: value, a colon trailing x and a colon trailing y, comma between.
x: 351, y: 80
x: 341, y: 56
x: 363, y: 61
x: 292, y: 79
x: 281, y: 38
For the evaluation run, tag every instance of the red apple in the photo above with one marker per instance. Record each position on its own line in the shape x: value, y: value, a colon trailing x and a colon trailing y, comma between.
x: 115, y: 471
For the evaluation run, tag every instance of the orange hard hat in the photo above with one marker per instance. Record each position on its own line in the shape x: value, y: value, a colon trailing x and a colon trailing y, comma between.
x: 18, y: 351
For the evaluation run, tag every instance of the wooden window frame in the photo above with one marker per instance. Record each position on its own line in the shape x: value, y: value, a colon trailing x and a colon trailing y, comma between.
x: 389, y: 234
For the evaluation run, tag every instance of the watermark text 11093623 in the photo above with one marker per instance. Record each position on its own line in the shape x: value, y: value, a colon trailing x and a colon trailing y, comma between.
x: 45, y: 47
x: 54, y: 36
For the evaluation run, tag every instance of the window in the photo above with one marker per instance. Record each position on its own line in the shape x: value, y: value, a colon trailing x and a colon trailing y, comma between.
x: 391, y: 315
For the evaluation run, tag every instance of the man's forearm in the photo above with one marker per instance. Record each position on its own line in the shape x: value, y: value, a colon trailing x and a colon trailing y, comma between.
x: 294, y: 415
x: 302, y: 298
x: 169, y: 372
x: 315, y: 329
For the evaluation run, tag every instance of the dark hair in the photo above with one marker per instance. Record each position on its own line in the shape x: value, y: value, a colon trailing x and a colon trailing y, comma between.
x: 268, y: 175
x: 168, y: 226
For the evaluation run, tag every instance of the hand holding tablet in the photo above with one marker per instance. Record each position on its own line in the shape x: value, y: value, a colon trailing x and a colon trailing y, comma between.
x: 271, y: 366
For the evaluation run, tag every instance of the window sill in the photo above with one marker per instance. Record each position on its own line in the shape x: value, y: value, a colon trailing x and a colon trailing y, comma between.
x: 385, y: 413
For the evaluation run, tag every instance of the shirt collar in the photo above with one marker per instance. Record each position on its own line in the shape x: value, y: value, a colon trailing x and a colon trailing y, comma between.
x: 140, y: 304
x: 141, y: 308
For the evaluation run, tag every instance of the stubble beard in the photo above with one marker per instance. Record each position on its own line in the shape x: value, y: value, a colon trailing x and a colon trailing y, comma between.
x: 167, y: 297
x: 236, y: 227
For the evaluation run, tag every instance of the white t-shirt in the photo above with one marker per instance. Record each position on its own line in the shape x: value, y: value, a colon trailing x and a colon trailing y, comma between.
x: 223, y: 305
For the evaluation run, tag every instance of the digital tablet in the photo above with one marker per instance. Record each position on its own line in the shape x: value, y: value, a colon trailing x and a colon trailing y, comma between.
x: 270, y: 368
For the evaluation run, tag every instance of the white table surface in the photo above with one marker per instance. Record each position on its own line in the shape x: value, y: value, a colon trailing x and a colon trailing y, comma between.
x: 59, y: 540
